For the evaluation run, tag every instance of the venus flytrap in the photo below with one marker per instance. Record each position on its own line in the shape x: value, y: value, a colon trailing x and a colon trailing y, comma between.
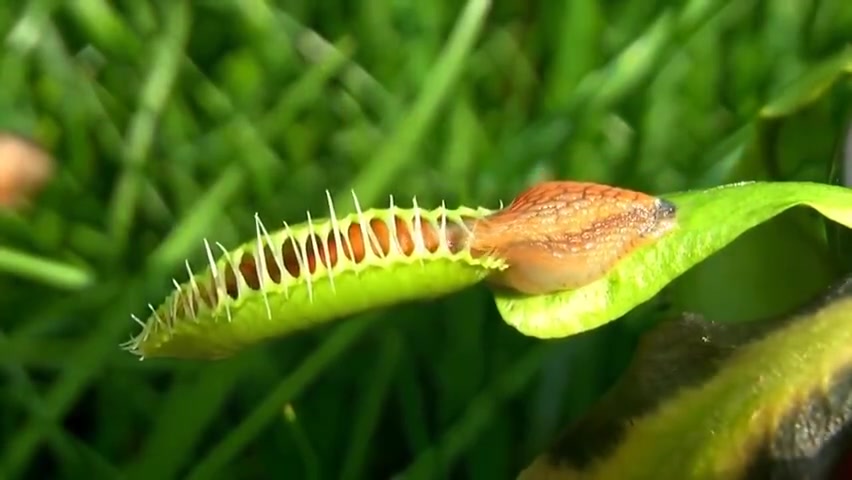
x: 317, y: 271
x: 554, y: 236
x: 562, y: 258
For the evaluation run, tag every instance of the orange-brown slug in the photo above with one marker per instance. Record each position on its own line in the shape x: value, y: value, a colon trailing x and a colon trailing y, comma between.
x: 561, y: 235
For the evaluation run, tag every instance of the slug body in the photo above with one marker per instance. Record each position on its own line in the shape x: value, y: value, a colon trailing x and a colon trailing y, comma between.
x: 561, y: 235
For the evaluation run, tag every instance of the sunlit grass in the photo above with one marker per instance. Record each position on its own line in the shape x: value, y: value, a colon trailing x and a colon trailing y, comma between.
x: 177, y: 121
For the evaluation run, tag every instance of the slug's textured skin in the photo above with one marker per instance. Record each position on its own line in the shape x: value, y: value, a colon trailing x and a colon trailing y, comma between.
x: 559, y: 236
x: 312, y: 273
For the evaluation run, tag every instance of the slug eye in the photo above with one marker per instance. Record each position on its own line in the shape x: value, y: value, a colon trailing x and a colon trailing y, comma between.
x: 664, y: 209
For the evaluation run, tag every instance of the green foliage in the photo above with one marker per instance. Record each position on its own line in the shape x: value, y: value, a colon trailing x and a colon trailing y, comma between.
x: 706, y: 400
x: 770, y: 376
x: 177, y: 121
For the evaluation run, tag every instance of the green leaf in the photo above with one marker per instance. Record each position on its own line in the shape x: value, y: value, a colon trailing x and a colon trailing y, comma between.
x: 811, y: 87
x: 782, y: 144
x: 763, y: 382
x: 707, y: 221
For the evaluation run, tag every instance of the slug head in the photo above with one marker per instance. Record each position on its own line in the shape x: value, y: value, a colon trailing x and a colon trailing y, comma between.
x: 561, y: 235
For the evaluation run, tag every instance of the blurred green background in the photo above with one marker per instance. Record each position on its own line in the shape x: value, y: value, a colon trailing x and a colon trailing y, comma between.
x: 172, y: 122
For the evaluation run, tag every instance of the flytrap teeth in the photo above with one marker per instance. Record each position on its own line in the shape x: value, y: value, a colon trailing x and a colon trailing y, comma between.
x: 157, y: 318
x: 260, y: 263
x: 290, y: 265
x: 335, y: 229
x: 312, y: 240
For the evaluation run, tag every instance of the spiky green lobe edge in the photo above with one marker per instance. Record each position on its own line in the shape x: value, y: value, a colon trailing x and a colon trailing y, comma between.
x: 182, y: 329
